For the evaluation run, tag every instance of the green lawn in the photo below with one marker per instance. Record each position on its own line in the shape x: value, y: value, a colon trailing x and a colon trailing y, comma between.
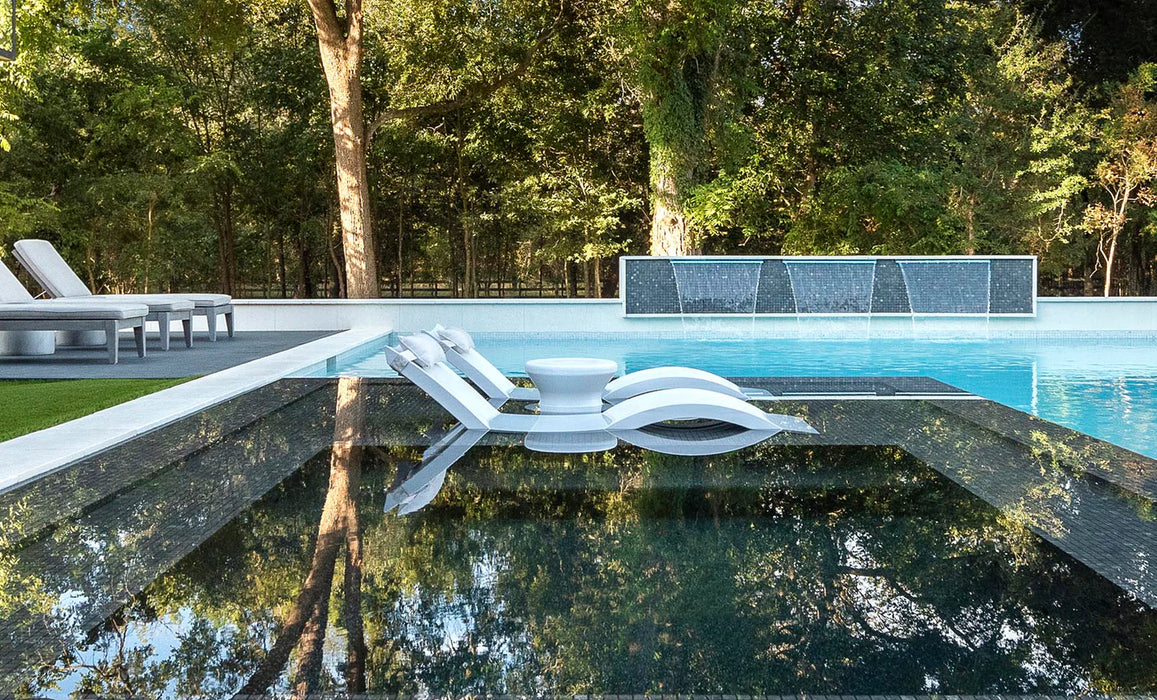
x: 26, y: 406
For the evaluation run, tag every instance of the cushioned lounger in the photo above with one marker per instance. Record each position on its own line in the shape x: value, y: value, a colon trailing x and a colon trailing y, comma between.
x: 50, y: 271
x: 422, y: 361
x: 20, y: 312
x: 460, y: 352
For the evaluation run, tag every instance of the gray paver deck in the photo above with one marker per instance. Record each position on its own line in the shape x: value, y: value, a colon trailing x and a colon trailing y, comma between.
x: 203, y: 358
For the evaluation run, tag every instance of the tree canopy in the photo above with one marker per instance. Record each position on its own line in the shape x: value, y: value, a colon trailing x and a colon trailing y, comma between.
x: 518, y: 147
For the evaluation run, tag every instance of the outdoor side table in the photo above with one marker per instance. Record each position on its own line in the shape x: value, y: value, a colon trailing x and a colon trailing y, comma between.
x: 571, y: 384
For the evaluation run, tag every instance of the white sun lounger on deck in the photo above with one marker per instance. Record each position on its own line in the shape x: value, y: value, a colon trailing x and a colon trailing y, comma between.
x: 20, y: 312
x: 423, y: 361
x: 50, y: 271
x: 460, y: 352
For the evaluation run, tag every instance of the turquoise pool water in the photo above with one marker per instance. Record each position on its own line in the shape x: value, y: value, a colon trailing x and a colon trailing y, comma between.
x: 1104, y: 387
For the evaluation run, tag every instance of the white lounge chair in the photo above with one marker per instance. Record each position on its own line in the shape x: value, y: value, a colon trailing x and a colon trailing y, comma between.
x: 419, y: 484
x: 461, y: 353
x: 423, y: 361
x: 52, y: 272
x: 20, y: 312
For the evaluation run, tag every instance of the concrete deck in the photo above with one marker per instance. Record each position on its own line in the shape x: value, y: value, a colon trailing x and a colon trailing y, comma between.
x: 201, y: 359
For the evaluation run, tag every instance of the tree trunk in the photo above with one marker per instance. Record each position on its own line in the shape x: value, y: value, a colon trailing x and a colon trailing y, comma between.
x: 1109, y: 263
x: 668, y: 220
x: 341, y: 53
x: 223, y: 221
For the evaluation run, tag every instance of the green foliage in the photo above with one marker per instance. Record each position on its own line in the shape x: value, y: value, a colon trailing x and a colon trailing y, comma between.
x: 186, y: 145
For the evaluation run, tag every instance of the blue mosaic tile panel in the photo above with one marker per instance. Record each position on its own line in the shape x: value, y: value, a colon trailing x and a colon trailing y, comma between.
x: 932, y: 285
x: 650, y: 287
x: 775, y: 295
x: 1012, y: 286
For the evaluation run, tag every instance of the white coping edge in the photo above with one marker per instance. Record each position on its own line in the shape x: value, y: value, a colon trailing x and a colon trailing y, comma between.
x: 30, y: 456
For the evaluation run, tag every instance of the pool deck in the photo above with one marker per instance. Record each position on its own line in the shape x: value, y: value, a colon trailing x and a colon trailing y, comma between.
x: 201, y: 359
x: 32, y: 456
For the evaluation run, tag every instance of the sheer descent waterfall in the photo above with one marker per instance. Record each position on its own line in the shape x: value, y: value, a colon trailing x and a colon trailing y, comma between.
x: 832, y: 286
x: 717, y: 286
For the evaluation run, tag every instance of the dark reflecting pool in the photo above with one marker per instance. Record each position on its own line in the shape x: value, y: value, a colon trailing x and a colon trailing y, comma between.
x: 279, y: 544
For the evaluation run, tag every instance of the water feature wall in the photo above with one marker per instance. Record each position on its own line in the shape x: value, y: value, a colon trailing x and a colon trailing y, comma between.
x: 706, y: 286
x: 904, y: 285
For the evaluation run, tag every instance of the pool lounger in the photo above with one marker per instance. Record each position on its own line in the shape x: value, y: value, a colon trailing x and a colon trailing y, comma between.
x: 420, y: 483
x: 20, y: 312
x: 51, y: 271
x: 460, y: 352
x: 423, y: 361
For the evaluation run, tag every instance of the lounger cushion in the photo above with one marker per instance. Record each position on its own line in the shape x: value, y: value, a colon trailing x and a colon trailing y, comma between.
x: 49, y: 269
x: 427, y: 351
x: 457, y: 337
x: 157, y: 303
x: 10, y: 287
x: 64, y: 310
x: 200, y: 301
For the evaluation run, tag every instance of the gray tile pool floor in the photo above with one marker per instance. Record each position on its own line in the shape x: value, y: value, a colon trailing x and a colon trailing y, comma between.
x: 201, y: 359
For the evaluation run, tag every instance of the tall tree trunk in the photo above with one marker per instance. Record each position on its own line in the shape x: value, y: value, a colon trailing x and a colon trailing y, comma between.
x: 223, y: 221
x: 340, y: 44
x: 149, y: 238
x: 676, y: 91
x: 401, y: 214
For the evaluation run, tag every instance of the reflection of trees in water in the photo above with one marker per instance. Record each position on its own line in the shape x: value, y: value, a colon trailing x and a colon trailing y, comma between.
x: 305, y: 626
x: 776, y: 569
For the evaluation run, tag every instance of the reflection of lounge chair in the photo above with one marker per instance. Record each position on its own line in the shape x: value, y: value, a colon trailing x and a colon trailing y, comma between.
x: 422, y: 360
x: 460, y: 353
x: 419, y: 485
x: 51, y: 271
x: 20, y: 312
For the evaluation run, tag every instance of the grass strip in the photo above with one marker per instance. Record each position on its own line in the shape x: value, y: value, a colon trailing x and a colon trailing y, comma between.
x: 30, y: 405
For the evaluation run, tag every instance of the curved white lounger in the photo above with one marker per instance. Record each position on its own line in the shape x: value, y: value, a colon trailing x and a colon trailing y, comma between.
x: 423, y: 362
x: 695, y: 443
x: 460, y: 352
x: 422, y: 483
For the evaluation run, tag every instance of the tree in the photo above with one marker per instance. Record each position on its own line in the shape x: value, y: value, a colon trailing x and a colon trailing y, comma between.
x: 677, y: 53
x: 1127, y: 172
x: 339, y: 41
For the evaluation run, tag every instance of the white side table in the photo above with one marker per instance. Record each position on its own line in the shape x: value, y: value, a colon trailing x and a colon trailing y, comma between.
x: 571, y: 384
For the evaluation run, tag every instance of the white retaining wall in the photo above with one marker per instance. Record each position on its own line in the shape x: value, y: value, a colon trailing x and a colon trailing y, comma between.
x: 1055, y: 315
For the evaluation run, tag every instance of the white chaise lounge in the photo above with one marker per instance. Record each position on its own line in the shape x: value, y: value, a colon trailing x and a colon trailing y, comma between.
x: 461, y: 353
x: 20, y: 312
x: 52, y: 272
x: 422, y: 360
x: 420, y: 485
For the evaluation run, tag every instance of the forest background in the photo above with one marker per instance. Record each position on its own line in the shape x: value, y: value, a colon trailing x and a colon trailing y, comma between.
x: 517, y: 147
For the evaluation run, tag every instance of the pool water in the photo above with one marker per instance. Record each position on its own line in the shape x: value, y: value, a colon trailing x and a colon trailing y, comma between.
x: 910, y: 548
x: 850, y: 570
x: 1106, y: 388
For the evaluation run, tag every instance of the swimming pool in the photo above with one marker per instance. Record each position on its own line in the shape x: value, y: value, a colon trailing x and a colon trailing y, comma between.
x: 1105, y: 387
x: 907, y: 549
